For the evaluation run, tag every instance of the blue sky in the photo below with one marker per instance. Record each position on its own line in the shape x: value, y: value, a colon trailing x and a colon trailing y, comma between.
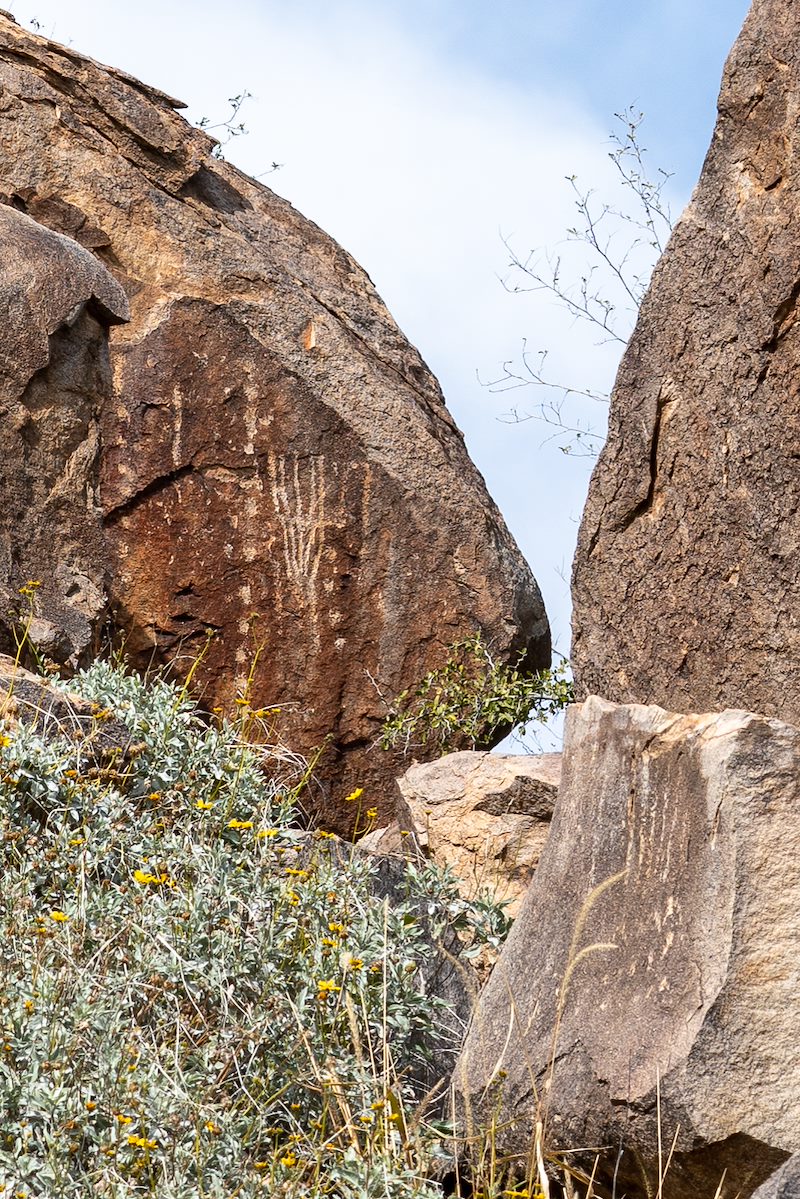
x: 419, y: 133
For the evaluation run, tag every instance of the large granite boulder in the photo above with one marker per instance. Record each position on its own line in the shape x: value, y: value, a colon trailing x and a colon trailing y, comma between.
x: 687, y: 573
x: 278, y: 464
x: 647, y: 1002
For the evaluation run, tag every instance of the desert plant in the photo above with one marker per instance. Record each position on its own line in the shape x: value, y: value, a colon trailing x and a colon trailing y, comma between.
x: 598, y: 278
x: 472, y: 701
x: 197, y: 998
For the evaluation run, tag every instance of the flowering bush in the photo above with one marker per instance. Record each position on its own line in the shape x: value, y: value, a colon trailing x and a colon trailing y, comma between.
x: 196, y: 998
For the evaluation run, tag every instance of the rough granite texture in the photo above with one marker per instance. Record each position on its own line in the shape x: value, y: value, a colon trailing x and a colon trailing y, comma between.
x: 485, y: 816
x: 653, y: 974
x: 784, y: 1184
x: 687, y: 573
x: 277, y: 462
x: 56, y: 304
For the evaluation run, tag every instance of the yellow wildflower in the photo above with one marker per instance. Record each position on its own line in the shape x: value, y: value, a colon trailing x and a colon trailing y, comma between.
x: 327, y: 986
x: 335, y: 927
x: 372, y: 813
x: 141, y: 876
x: 90, y: 1105
x: 354, y: 795
x: 121, y: 1119
x: 59, y: 917
x: 293, y: 898
x: 260, y: 1165
x: 296, y: 873
x: 289, y: 1160
x: 141, y: 1142
x: 240, y: 824
x: 204, y: 805
x: 210, y: 1126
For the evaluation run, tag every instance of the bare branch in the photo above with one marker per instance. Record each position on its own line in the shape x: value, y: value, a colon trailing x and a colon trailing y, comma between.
x: 605, y: 293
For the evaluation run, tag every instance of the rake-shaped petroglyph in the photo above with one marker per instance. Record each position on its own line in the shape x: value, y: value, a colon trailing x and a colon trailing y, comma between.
x: 298, y: 492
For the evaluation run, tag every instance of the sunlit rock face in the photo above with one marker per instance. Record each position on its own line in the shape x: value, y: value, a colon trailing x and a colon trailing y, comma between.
x: 277, y: 463
x: 647, y: 995
x: 687, y: 573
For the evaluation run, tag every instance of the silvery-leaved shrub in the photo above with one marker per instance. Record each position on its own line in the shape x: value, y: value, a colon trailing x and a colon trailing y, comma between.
x: 196, y: 998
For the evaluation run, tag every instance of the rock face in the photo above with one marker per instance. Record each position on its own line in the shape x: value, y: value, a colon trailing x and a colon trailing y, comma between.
x: 687, y: 572
x: 486, y: 816
x: 784, y: 1184
x: 277, y: 462
x: 56, y: 302
x: 102, y: 741
x: 653, y: 973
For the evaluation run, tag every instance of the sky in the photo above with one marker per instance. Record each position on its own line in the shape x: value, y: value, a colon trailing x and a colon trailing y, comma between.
x: 428, y: 136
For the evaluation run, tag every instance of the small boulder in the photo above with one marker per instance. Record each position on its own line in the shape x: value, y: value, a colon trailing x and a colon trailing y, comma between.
x: 486, y: 816
x: 647, y: 1001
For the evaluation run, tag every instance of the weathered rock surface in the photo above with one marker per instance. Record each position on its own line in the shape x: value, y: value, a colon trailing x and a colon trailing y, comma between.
x: 101, y: 740
x: 654, y: 969
x: 278, y: 464
x: 687, y: 573
x: 784, y: 1184
x: 56, y: 304
x: 486, y: 816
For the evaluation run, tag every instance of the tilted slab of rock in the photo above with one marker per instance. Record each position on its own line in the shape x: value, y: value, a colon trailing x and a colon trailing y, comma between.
x: 278, y: 464
x: 687, y: 573
x: 102, y: 742
x: 56, y: 304
x: 784, y: 1183
x: 486, y: 816
x: 653, y: 974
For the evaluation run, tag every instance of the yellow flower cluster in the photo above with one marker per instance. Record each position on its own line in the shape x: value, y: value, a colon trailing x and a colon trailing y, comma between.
x: 161, y: 880
x: 141, y: 1142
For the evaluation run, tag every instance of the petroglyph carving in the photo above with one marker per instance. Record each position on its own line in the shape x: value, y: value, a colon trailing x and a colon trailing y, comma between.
x: 297, y: 486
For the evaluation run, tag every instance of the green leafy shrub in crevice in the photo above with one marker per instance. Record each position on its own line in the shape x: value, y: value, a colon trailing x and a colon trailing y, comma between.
x: 196, y: 998
x: 473, y: 701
